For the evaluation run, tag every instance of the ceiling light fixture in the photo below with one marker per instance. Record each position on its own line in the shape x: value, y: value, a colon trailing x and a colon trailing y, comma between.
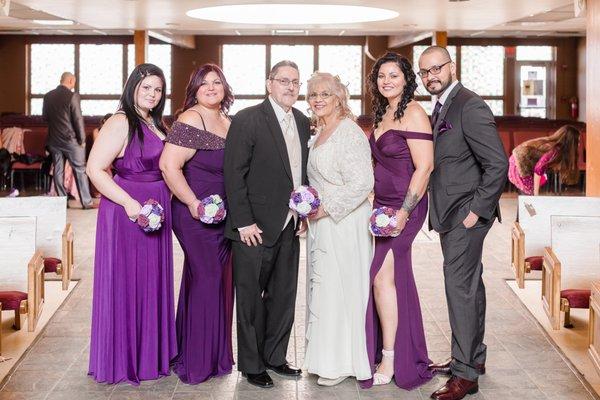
x: 53, y: 21
x: 291, y: 14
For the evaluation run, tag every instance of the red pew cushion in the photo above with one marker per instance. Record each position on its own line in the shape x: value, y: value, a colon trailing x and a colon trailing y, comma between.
x: 535, y: 262
x: 578, y: 298
x: 11, y: 300
x: 51, y: 264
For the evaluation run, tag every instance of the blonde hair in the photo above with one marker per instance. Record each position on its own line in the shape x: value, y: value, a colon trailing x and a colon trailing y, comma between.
x: 337, y: 88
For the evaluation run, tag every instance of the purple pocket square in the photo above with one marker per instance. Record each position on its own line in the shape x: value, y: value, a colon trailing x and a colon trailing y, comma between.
x: 444, y: 126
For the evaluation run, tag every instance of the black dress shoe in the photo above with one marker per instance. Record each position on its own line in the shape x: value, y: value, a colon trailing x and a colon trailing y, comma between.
x: 262, y: 380
x: 286, y: 370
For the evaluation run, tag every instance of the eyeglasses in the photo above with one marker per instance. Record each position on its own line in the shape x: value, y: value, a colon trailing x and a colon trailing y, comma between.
x: 322, y: 95
x: 286, y: 82
x: 436, y: 69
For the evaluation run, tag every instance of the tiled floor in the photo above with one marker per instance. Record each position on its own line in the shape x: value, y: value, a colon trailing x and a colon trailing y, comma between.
x: 522, y: 363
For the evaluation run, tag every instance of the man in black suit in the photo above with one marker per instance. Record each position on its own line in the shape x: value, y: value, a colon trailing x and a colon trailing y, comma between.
x: 470, y: 170
x: 265, y: 159
x: 66, y: 136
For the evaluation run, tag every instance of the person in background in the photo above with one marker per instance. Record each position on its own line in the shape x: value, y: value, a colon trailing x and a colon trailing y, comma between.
x: 66, y: 136
x: 531, y: 159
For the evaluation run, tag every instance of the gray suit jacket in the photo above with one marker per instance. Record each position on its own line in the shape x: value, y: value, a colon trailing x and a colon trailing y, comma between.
x: 470, y: 166
x: 62, y: 111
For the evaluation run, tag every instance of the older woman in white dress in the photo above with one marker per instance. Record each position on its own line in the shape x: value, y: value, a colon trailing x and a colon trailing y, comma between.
x: 339, y: 242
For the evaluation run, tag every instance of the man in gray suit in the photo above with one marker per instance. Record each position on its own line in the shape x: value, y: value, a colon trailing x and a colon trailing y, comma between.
x: 66, y: 136
x: 470, y: 170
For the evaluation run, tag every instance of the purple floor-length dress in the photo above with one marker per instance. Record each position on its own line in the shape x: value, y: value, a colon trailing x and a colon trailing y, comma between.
x: 133, y: 327
x: 205, y: 308
x: 393, y: 171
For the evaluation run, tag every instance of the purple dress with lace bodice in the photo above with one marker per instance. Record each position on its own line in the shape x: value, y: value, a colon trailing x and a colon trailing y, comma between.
x: 394, y: 167
x: 133, y: 326
x: 205, y: 308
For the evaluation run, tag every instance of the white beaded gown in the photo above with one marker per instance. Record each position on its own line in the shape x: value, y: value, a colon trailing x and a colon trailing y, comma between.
x: 339, y: 255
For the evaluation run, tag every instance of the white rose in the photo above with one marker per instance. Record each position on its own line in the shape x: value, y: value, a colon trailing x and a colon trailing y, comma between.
x: 154, y: 221
x: 382, y: 220
x: 303, y: 208
x: 211, y: 210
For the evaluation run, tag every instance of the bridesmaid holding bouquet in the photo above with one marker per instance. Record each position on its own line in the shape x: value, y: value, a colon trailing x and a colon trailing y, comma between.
x: 192, y: 164
x: 133, y: 330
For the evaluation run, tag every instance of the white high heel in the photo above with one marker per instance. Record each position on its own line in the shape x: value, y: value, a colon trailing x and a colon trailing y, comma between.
x: 382, y: 379
x: 330, y: 382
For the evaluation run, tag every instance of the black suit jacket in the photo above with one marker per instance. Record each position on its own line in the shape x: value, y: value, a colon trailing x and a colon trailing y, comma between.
x: 470, y: 166
x: 258, y: 177
x: 62, y: 111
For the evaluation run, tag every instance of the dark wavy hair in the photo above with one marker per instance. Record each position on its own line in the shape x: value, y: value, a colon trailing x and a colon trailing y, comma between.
x: 127, y: 101
x: 379, y: 102
x: 194, y: 83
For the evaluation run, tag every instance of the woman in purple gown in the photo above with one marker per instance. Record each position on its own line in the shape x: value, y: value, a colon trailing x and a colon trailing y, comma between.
x: 402, y: 150
x: 192, y: 164
x: 133, y: 329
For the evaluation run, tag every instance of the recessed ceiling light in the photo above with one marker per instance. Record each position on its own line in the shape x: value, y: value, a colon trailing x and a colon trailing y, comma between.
x: 53, y: 21
x: 292, y: 14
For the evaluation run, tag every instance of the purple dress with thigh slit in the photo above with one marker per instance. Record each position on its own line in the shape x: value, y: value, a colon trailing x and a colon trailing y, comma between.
x: 393, y: 171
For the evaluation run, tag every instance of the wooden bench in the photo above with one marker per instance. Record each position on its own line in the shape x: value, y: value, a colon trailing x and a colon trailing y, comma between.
x: 570, y: 265
x: 63, y: 266
x: 30, y: 303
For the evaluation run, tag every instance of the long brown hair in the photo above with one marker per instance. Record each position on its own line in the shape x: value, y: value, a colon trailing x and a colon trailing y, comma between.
x: 566, y: 143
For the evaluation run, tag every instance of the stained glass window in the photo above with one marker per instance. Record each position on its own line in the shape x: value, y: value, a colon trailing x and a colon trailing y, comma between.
x: 48, y: 62
x: 417, y: 51
x: 482, y: 69
x: 159, y: 55
x: 35, y: 106
x: 98, y: 107
x: 240, y: 104
x: 535, y: 53
x: 100, y: 69
x: 303, y: 55
x: 345, y: 61
x: 244, y: 67
x: 497, y: 107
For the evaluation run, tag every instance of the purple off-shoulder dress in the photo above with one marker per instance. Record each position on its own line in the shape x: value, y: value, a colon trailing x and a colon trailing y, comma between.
x: 133, y: 326
x: 393, y: 171
x: 205, y: 308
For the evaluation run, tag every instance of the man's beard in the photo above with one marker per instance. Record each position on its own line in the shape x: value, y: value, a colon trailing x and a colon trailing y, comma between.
x: 442, y: 88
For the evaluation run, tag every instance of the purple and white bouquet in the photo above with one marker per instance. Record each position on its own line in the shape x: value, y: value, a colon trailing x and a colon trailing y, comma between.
x: 383, y: 222
x: 305, y: 201
x: 212, y: 209
x: 151, y: 216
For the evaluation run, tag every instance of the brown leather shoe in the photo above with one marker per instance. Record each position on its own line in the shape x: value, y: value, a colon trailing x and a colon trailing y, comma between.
x: 443, y: 368
x: 455, y: 389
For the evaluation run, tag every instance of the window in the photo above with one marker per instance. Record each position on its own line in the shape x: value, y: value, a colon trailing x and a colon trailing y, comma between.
x: 246, y: 67
x: 48, y: 62
x: 99, y: 72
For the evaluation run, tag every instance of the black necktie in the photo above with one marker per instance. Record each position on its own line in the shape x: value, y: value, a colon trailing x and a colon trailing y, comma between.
x: 435, y: 113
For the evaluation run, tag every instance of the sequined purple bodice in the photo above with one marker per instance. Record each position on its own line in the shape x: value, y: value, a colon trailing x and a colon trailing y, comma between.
x: 204, y: 171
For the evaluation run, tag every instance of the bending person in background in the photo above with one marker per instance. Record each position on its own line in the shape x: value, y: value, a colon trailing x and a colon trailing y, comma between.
x: 531, y: 159
x: 192, y: 164
x: 133, y: 324
x: 403, y: 156
x: 339, y: 243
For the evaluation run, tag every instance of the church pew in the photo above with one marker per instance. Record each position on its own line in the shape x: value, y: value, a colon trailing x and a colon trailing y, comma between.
x: 63, y: 266
x: 570, y: 264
